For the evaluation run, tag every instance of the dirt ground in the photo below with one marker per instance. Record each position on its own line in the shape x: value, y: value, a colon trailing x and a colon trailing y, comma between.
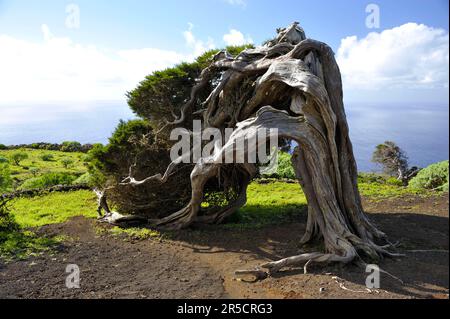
x: 201, y: 263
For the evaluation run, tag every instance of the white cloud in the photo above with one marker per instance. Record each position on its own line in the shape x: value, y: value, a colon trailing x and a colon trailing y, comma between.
x: 235, y: 37
x: 409, y: 56
x: 57, y: 69
x: 198, y: 46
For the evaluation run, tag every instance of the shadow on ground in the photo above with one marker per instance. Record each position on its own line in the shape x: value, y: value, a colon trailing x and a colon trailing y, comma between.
x: 424, y: 273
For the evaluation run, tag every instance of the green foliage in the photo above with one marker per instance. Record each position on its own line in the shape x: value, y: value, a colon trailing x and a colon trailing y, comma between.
x: 7, y: 222
x: 434, y: 176
x: 382, y: 185
x: 71, y: 146
x: 394, y: 181
x: 156, y: 100
x: 5, y: 178
x: 3, y: 147
x: 3, y: 160
x: 85, y: 179
x: 130, y: 145
x: 47, y: 157
x: 115, y: 157
x: 371, y: 178
x: 67, y: 161
x: 48, y: 180
x: 285, y: 169
x: 66, y: 146
x: 34, y: 171
x: 18, y: 157
x: 164, y: 92
x: 391, y: 158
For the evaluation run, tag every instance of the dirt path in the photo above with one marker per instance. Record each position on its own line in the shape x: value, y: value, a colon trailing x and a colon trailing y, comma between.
x: 201, y: 263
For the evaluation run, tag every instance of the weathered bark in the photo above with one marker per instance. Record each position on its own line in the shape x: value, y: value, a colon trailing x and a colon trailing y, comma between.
x: 292, y: 84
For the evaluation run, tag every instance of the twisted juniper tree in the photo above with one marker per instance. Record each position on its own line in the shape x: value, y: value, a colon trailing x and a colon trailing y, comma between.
x: 293, y: 84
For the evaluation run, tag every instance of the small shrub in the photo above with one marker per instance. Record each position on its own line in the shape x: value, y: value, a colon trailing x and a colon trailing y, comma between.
x: 85, y: 179
x: 34, y: 171
x: 370, y: 178
x: 18, y: 157
x: 394, y: 181
x: 285, y: 169
x: 3, y: 160
x: 392, y: 159
x: 48, y: 180
x: 66, y: 162
x: 5, y: 177
x: 70, y: 146
x: 434, y: 176
x: 7, y: 222
x: 3, y: 147
x: 48, y: 157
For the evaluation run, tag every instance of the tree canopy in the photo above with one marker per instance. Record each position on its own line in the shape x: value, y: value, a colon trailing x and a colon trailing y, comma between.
x: 156, y: 100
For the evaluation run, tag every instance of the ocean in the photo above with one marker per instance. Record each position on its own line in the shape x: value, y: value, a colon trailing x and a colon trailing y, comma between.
x: 422, y: 130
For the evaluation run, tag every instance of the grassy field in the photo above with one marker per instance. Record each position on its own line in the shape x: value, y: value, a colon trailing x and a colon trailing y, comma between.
x: 28, y: 213
x: 277, y: 201
x: 53, y: 208
x: 268, y: 203
x: 35, y: 166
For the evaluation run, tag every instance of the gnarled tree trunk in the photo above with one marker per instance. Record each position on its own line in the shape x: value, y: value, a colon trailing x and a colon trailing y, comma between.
x: 292, y: 84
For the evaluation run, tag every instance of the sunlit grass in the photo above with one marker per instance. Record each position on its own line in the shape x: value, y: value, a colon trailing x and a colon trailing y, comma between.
x: 20, y: 242
x: 270, y: 203
x: 277, y: 202
x: 135, y: 233
x: 53, y: 208
x: 35, y: 164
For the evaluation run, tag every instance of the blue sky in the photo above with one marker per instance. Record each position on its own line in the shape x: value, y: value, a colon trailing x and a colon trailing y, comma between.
x: 118, y: 42
x: 132, y: 24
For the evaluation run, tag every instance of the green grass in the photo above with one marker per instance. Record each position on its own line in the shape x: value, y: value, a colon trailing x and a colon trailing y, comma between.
x: 279, y: 202
x: 268, y: 204
x: 34, y: 163
x: 20, y: 242
x: 23, y: 244
x: 382, y: 191
x: 53, y: 208
x: 135, y: 233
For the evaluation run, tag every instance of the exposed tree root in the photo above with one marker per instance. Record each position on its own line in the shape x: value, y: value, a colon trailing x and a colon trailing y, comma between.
x: 118, y: 219
x: 340, y: 282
